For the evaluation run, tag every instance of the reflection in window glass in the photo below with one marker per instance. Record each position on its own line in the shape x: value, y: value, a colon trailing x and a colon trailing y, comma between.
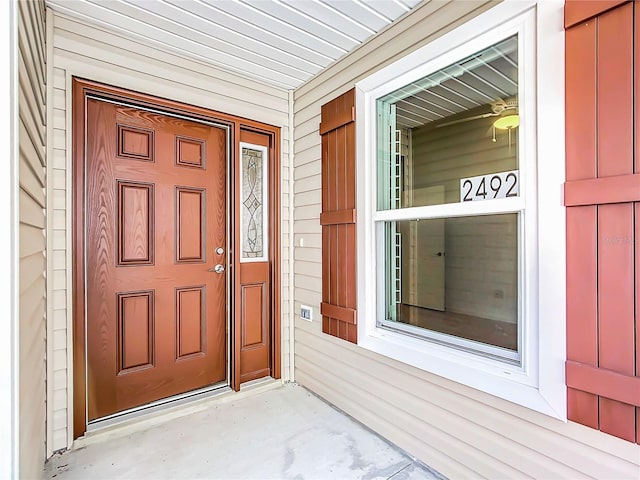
x: 458, y: 123
x: 457, y: 276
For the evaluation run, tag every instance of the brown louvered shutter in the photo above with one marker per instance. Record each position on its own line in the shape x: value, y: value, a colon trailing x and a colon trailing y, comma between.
x: 338, y: 217
x: 602, y: 196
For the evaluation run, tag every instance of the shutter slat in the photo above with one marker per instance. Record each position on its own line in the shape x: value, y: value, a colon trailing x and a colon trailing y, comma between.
x: 582, y: 272
x: 603, y: 382
x: 599, y: 191
x: 637, y: 296
x: 338, y: 217
x: 615, y: 221
x: 576, y: 11
x: 338, y: 313
x: 615, y: 92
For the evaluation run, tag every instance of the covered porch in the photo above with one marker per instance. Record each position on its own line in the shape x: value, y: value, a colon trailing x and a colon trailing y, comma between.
x: 272, y: 431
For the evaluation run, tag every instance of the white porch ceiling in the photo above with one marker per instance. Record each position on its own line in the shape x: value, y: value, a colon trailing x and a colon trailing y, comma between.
x: 281, y: 42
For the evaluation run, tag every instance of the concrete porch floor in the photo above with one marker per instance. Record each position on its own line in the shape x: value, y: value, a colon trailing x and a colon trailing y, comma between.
x: 283, y: 432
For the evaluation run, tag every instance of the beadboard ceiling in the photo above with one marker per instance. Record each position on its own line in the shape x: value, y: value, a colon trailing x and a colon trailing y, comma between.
x: 281, y: 42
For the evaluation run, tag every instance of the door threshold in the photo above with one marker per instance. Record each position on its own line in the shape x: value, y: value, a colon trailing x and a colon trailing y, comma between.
x: 143, y: 418
x: 158, y: 405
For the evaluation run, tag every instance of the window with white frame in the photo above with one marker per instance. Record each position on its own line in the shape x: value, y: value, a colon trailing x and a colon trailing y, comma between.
x: 451, y: 137
x: 449, y: 147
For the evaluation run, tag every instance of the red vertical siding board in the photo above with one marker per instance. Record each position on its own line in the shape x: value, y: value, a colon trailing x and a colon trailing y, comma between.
x: 325, y: 172
x: 343, y: 330
x: 636, y: 243
x: 582, y: 344
x: 326, y: 324
x: 331, y: 206
x: 333, y: 260
x: 582, y: 407
x: 636, y: 89
x: 582, y: 283
x: 636, y: 238
x: 582, y: 324
x: 326, y: 244
x: 342, y: 265
x: 333, y: 149
x: 618, y: 419
x: 326, y: 273
x: 580, y: 100
x: 616, y: 288
x: 326, y: 230
x: 351, y: 266
x: 334, y: 330
x: 616, y: 306
x: 615, y: 92
x: 340, y: 229
x: 352, y: 334
x: 616, y: 330
x: 350, y: 174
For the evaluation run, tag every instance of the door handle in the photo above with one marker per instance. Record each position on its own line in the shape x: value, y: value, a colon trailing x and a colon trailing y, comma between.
x: 218, y: 268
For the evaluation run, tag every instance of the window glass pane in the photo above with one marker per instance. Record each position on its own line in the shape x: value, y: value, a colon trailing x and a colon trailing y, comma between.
x: 457, y: 276
x: 457, y: 124
x: 253, y: 211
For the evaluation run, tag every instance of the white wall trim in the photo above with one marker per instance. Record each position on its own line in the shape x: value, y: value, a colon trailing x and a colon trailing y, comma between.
x: 9, y: 374
x: 292, y: 246
x: 70, y: 275
x: 49, y: 219
x: 552, y: 288
x: 539, y: 383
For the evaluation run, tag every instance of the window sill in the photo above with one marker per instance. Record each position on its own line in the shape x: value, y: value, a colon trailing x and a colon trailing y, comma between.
x: 501, y: 379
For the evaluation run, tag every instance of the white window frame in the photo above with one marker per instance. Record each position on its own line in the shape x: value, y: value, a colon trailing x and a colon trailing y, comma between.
x: 538, y: 381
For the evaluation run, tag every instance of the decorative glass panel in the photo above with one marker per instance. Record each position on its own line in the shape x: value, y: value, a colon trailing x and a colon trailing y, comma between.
x: 253, y: 209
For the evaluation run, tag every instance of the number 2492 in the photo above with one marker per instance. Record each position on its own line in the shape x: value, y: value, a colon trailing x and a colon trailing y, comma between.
x: 488, y: 187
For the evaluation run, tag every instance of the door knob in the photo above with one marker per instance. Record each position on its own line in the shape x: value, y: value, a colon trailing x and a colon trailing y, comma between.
x: 218, y: 268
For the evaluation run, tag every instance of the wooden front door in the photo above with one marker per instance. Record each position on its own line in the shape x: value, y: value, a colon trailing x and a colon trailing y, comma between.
x: 155, y: 221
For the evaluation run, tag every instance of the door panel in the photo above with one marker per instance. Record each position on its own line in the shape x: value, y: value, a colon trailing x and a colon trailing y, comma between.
x: 255, y: 340
x: 255, y: 285
x: 155, y: 213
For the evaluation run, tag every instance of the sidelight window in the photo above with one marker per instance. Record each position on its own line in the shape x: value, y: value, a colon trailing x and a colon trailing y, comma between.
x: 253, y: 203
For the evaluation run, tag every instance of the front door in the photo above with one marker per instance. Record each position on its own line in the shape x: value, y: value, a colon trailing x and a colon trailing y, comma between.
x: 155, y: 218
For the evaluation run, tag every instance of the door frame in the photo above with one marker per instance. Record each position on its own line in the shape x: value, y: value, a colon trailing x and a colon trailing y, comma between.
x: 82, y: 89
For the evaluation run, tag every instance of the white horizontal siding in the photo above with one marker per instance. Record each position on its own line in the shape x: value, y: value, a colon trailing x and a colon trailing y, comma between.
x: 459, y: 431
x: 32, y: 240
x: 93, y: 53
